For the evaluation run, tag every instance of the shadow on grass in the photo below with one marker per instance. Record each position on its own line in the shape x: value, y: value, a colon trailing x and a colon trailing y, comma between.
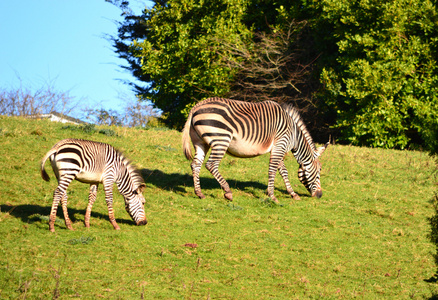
x: 177, y: 182
x: 29, y: 213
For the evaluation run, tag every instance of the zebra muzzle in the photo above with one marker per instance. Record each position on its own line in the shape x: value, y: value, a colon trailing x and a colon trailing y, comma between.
x: 142, y: 222
x: 317, y: 194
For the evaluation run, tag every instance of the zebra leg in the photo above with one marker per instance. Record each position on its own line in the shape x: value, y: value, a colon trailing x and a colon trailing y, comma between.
x: 57, y: 195
x: 64, y: 210
x: 60, y: 194
x: 274, y: 165
x: 212, y: 165
x: 108, y: 187
x: 196, y: 165
x: 283, y: 172
x: 91, y: 199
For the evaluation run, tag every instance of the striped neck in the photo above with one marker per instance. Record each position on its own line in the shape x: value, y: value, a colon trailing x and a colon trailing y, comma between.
x: 128, y: 179
x: 303, y: 150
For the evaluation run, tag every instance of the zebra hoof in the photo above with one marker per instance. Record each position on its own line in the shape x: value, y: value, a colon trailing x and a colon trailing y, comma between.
x: 296, y: 197
x: 200, y: 195
x: 229, y: 196
x: 68, y: 225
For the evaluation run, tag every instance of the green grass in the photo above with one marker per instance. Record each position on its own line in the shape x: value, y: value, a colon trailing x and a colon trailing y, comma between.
x: 365, y: 238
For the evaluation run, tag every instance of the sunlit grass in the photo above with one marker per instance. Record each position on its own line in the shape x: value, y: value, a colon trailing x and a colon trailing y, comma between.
x: 365, y: 238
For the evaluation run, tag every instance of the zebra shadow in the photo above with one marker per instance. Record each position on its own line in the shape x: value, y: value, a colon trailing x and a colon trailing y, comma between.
x: 177, y: 182
x: 30, y: 213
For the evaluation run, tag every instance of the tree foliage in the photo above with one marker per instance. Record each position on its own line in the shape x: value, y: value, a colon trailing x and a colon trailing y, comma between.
x: 172, y: 50
x: 367, y: 69
x: 382, y: 82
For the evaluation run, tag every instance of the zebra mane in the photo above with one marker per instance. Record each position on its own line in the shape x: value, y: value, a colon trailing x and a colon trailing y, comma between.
x: 296, y: 117
x: 132, y: 169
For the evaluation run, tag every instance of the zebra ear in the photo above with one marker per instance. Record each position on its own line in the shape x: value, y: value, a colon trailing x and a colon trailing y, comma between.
x: 321, y: 149
x: 141, y: 188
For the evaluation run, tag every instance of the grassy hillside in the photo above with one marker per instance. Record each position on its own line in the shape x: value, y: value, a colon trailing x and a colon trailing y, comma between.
x: 366, y: 237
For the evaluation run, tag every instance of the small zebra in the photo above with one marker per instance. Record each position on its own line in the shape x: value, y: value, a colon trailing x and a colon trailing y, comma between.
x: 94, y: 163
x: 245, y: 129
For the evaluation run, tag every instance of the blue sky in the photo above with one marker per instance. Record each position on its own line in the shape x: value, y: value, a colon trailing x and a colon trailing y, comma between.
x: 62, y: 42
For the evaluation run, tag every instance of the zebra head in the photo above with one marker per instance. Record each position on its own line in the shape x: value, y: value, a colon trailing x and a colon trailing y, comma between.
x: 309, y: 173
x: 134, y: 205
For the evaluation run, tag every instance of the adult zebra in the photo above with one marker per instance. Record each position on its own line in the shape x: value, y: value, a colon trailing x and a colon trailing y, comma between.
x: 245, y: 129
x: 94, y: 163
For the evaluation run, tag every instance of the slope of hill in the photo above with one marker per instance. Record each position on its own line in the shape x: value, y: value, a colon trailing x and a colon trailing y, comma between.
x: 366, y: 237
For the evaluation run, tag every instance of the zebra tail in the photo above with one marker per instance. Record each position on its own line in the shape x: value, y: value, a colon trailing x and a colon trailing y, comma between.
x: 186, y: 138
x: 44, y: 174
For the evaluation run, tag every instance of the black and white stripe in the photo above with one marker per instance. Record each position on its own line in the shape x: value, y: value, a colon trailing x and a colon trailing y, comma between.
x: 245, y: 129
x: 94, y: 163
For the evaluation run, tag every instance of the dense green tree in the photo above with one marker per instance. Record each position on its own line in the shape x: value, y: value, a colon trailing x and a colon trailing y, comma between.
x: 382, y: 81
x: 369, y: 67
x: 174, y: 47
x: 187, y: 50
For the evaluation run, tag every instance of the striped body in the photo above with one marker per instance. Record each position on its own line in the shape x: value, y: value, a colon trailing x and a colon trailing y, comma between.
x: 245, y: 129
x: 94, y: 163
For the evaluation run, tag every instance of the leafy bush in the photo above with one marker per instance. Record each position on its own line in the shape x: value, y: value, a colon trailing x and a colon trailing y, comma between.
x: 108, y: 132
x: 383, y: 82
x: 90, y: 129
